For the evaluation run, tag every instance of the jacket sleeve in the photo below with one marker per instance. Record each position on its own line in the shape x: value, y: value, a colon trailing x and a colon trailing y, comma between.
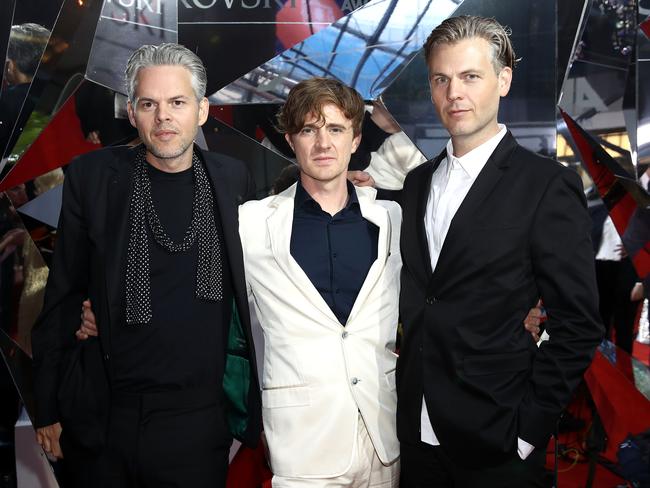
x: 563, y: 266
x: 66, y: 288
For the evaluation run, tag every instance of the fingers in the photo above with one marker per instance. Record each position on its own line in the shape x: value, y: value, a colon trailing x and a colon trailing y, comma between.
x: 43, y: 440
x: 88, y: 323
x: 56, y: 449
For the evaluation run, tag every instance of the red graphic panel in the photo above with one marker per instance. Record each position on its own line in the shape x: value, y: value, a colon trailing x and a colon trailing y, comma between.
x: 625, y: 199
x: 55, y: 147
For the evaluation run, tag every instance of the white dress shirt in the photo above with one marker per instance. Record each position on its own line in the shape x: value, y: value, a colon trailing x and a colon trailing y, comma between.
x: 450, y: 184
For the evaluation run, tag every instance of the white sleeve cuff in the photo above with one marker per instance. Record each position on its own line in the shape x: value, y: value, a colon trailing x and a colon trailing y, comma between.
x: 523, y: 448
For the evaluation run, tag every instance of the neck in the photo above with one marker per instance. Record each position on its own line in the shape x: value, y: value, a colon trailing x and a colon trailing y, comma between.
x: 464, y: 144
x: 171, y: 165
x: 330, y: 195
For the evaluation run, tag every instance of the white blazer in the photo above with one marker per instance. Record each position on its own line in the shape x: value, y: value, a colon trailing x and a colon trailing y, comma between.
x: 318, y: 375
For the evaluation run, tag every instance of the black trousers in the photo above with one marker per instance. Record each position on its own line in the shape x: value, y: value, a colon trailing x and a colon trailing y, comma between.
x: 426, y: 466
x: 162, y: 440
x: 615, y: 281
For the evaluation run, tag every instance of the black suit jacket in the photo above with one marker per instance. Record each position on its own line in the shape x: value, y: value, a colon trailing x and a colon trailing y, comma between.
x: 521, y: 232
x: 90, y: 261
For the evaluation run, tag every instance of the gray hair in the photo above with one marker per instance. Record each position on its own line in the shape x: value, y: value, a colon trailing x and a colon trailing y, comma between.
x: 169, y: 54
x: 27, y: 43
x: 455, y: 29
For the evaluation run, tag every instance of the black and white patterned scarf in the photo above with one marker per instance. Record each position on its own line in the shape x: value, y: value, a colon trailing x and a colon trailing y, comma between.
x: 142, y: 214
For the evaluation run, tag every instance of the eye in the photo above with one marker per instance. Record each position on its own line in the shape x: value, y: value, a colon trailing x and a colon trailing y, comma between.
x: 336, y: 130
x: 146, y: 105
x: 178, y: 103
x: 307, y: 131
x: 439, y: 80
x: 472, y: 77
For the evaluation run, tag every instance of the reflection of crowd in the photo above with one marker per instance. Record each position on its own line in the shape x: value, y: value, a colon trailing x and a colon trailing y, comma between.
x: 27, y: 42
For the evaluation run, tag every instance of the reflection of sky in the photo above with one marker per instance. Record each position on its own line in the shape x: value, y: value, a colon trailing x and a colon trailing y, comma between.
x: 362, y: 49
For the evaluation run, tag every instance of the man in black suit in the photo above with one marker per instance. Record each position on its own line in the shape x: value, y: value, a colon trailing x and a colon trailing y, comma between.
x: 150, y: 235
x: 488, y: 228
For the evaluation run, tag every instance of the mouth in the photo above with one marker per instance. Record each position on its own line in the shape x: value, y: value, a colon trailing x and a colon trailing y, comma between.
x: 324, y: 159
x: 165, y: 134
x: 458, y: 112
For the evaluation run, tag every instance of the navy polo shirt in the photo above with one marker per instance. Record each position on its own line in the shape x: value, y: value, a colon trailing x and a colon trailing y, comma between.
x: 335, y: 252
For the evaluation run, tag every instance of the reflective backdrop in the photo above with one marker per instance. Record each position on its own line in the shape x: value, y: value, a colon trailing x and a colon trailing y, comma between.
x: 592, y: 57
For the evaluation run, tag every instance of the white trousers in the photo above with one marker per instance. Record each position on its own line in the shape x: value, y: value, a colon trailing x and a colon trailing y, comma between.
x: 366, y: 470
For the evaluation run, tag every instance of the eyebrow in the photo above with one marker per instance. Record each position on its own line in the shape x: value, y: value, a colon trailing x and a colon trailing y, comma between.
x: 327, y: 126
x: 465, y: 72
x: 176, y: 97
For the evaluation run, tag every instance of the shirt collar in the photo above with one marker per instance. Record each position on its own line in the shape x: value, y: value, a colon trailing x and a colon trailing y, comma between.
x: 473, y: 162
x: 303, y: 198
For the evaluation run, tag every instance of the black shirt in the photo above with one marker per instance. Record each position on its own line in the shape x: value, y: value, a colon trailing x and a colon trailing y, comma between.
x: 184, y: 344
x: 335, y: 252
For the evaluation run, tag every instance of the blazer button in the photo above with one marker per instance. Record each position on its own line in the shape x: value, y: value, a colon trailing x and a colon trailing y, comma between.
x: 354, y: 381
x: 344, y: 334
x: 431, y: 300
x: 106, y: 357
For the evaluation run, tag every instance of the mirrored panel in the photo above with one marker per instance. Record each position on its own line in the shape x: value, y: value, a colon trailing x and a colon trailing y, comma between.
x: 529, y: 108
x: 599, y: 92
x: 19, y: 364
x: 22, y: 272
x: 59, y: 75
x: 265, y: 164
x: 27, y: 42
x: 571, y: 20
x: 364, y: 49
x: 6, y: 17
x: 124, y: 26
x: 643, y: 114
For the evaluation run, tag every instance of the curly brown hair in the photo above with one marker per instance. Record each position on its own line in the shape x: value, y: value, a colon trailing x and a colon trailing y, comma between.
x: 310, y: 96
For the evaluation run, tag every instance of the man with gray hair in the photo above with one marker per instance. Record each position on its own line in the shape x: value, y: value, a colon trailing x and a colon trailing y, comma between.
x: 149, y: 234
x: 488, y: 228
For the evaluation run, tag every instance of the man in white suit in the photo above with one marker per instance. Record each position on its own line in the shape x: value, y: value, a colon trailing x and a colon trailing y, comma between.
x: 322, y: 267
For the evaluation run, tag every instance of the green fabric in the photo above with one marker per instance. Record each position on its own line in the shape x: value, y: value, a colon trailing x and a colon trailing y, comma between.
x: 237, y: 377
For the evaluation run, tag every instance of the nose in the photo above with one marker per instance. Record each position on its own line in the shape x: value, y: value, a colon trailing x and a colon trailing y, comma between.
x: 454, y: 91
x: 323, y: 139
x: 162, y: 112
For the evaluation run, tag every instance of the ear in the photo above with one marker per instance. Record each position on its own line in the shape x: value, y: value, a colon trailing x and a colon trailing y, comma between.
x: 505, y: 79
x: 204, y: 110
x: 355, y: 142
x: 131, y: 112
x: 287, y: 138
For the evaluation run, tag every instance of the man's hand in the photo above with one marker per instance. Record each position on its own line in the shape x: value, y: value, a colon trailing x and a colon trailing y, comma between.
x: 48, y: 438
x: 360, y: 178
x: 637, y: 292
x: 93, y: 137
x: 88, y: 324
x: 533, y: 320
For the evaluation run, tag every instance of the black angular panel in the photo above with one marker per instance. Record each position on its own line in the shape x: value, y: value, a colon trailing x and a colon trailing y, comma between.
x: 124, y: 26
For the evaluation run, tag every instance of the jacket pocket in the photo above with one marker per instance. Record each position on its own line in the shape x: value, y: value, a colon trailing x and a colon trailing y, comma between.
x: 485, y: 364
x: 286, y: 396
x: 390, y: 380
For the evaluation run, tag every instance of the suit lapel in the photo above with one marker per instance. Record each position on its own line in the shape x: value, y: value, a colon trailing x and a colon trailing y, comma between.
x: 279, y: 227
x: 414, y: 236
x: 120, y: 186
x: 226, y: 206
x: 463, y: 221
x: 378, y: 215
